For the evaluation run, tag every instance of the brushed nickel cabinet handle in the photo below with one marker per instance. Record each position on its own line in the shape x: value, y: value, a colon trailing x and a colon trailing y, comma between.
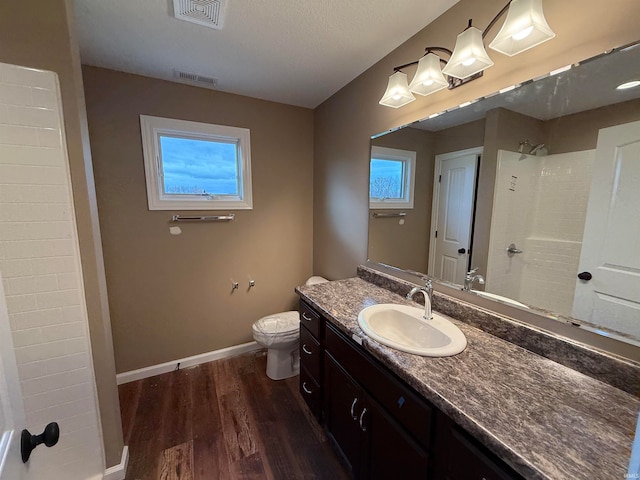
x: 362, y: 427
x: 304, y: 315
x: 305, y: 350
x: 306, y: 390
x: 353, y: 407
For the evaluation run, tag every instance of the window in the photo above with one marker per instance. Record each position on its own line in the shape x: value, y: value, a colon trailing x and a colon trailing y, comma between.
x: 195, y: 166
x: 391, y: 178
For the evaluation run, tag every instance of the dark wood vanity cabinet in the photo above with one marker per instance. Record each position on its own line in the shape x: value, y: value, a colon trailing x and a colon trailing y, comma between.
x: 360, y: 415
x: 380, y: 426
x: 311, y: 353
x: 371, y: 442
x: 458, y: 456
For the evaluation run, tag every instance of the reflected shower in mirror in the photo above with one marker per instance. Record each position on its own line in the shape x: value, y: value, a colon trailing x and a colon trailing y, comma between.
x: 538, y: 187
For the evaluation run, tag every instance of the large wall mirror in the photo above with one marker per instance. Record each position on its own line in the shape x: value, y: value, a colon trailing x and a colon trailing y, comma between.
x: 538, y: 186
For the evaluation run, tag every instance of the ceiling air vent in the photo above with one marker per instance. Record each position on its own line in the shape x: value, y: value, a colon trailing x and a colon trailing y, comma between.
x: 209, y: 13
x: 194, y: 78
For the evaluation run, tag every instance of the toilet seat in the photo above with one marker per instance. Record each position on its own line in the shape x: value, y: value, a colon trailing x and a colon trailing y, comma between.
x: 278, y: 327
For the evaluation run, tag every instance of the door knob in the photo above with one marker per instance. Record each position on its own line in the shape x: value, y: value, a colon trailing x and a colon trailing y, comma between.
x: 586, y: 276
x: 462, y: 250
x: 29, y: 442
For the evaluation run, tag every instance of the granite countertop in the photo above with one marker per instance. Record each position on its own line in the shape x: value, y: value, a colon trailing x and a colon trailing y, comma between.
x: 545, y: 420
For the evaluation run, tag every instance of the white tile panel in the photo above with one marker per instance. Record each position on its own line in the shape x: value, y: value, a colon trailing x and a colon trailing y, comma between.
x: 16, y: 95
x: 18, y: 135
x: 39, y: 262
x: 558, y: 187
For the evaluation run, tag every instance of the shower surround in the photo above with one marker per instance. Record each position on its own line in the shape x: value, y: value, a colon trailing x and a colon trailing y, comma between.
x: 540, y: 204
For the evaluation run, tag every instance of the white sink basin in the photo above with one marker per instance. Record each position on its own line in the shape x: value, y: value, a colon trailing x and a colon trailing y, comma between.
x: 403, y: 327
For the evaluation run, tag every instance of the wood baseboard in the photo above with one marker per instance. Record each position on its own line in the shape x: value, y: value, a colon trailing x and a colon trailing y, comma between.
x: 153, y: 370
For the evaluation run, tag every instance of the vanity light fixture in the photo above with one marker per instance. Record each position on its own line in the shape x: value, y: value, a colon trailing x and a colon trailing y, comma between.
x: 428, y: 78
x: 397, y: 93
x: 469, y: 56
x: 525, y: 27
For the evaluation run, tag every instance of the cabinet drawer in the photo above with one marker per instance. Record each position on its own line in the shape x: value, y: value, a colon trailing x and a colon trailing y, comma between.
x: 310, y: 319
x: 310, y: 353
x: 310, y: 391
x: 406, y: 407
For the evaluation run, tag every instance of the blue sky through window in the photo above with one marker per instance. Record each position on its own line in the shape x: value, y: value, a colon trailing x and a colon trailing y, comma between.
x: 386, y: 178
x: 199, y: 166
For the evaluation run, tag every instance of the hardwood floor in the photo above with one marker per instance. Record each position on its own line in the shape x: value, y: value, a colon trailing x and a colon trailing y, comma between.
x: 223, y: 420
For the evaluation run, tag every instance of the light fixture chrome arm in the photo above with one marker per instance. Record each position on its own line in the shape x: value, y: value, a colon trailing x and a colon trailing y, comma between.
x: 495, y: 19
x: 427, y: 50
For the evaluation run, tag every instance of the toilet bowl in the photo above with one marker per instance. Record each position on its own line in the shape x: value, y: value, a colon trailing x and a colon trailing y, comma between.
x: 279, y: 333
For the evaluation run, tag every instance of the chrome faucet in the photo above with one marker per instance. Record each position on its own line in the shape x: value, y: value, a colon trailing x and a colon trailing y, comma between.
x: 427, y: 293
x: 470, y: 278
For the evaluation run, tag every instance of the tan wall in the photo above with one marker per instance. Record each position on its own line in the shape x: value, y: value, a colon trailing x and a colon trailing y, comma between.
x: 460, y: 137
x: 346, y: 121
x: 170, y: 296
x: 577, y: 132
x: 406, y: 245
x: 41, y: 35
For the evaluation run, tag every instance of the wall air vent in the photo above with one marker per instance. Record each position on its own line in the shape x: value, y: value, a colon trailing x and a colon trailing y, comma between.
x: 209, y: 13
x: 195, y: 79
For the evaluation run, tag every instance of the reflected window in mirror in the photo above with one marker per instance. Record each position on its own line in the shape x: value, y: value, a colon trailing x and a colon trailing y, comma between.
x: 391, y: 178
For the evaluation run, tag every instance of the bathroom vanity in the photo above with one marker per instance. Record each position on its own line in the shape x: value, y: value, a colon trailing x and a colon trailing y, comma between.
x: 494, y: 411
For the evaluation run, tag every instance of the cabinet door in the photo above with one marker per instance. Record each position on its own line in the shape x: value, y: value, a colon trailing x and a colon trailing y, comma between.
x: 458, y: 456
x: 343, y: 406
x: 391, y: 453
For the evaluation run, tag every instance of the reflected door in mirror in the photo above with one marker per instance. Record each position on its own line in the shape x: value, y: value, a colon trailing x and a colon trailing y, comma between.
x: 453, y: 202
x: 611, y: 247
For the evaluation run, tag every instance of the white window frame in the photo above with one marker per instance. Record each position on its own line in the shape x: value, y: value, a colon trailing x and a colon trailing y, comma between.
x: 154, y: 127
x: 408, y: 157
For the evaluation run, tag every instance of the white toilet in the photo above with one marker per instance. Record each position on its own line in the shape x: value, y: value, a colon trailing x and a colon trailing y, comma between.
x: 280, y: 334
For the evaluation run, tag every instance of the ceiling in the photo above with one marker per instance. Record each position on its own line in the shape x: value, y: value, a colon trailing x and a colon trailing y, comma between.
x: 297, y: 52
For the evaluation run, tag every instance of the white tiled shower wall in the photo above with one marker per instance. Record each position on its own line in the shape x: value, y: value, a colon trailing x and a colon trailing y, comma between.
x: 40, y: 268
x: 540, y: 204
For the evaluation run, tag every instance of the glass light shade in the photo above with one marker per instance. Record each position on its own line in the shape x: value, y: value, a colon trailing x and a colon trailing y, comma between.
x: 524, y: 28
x: 428, y: 78
x: 397, y: 93
x: 469, y: 56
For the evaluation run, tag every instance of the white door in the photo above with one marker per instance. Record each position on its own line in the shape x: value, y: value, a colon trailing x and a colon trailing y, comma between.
x: 11, y: 408
x: 452, y: 214
x: 611, y: 245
